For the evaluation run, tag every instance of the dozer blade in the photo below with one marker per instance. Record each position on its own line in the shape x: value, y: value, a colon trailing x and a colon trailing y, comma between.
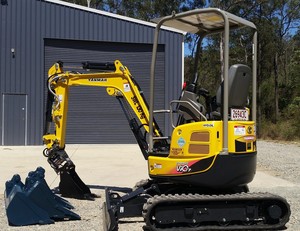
x: 118, y: 206
x: 34, y: 202
x: 72, y: 186
x: 109, y: 220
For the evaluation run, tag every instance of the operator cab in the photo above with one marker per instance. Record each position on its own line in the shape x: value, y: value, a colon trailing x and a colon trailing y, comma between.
x: 191, y: 110
x: 238, y: 91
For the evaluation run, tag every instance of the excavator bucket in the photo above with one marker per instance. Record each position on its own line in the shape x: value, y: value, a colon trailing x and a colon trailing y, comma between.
x: 72, y: 186
x: 19, y: 209
x: 34, y: 202
x: 39, y: 175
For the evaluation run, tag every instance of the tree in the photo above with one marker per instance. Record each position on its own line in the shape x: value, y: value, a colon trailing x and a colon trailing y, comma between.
x: 278, y: 24
x: 145, y: 10
x: 78, y: 2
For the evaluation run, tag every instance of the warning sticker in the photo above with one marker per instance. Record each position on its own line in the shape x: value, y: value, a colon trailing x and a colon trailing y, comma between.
x: 126, y: 87
x: 159, y: 166
x: 181, y: 142
x: 60, y: 98
x: 176, y: 151
x: 249, y: 138
x: 239, y: 130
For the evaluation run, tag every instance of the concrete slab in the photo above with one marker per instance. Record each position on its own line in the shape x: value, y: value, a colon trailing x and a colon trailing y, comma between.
x: 265, y: 180
x: 101, y: 165
x: 105, y: 165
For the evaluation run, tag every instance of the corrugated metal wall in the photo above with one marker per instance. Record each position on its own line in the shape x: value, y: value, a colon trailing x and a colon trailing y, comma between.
x: 94, y: 116
x: 24, y: 26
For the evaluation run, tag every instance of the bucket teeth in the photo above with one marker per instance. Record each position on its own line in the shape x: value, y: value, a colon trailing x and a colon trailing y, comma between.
x: 34, y: 202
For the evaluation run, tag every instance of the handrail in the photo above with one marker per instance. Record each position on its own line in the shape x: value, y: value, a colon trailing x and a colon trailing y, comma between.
x: 187, y: 102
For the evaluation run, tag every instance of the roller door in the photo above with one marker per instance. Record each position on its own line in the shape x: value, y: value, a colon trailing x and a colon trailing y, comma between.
x: 94, y: 116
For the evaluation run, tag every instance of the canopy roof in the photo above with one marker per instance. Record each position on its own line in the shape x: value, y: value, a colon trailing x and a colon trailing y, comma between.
x: 203, y: 22
x: 208, y: 20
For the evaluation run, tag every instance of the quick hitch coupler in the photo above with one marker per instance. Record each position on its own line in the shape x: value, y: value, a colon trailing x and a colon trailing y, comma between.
x: 70, y: 184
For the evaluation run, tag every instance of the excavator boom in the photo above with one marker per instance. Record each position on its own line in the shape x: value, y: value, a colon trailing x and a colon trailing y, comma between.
x: 119, y: 83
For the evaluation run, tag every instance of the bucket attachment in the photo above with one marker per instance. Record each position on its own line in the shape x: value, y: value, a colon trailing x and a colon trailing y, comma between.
x: 71, y: 185
x: 39, y: 175
x: 19, y: 209
x: 34, y: 202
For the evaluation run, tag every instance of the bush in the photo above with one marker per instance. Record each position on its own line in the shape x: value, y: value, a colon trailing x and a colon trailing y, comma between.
x: 268, y: 130
x: 288, y: 130
x: 287, y: 127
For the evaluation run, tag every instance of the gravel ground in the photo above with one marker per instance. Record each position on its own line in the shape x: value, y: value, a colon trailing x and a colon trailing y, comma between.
x: 277, y: 159
x: 282, y: 160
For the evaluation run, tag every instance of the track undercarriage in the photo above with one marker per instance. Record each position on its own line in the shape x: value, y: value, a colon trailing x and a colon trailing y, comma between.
x: 168, y: 206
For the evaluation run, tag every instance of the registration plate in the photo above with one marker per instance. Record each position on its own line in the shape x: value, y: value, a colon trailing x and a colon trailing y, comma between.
x: 239, y: 114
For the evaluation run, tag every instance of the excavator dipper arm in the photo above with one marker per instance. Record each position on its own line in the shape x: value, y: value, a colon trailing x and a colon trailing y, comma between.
x: 120, y: 84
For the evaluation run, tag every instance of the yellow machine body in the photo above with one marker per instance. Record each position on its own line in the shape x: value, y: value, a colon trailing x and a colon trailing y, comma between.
x: 191, y: 155
x: 196, y: 142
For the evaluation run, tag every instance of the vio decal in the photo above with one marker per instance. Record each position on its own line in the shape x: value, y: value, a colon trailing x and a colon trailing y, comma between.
x: 183, y: 167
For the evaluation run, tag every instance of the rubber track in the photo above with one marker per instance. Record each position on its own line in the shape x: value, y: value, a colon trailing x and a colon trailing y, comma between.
x: 154, y: 201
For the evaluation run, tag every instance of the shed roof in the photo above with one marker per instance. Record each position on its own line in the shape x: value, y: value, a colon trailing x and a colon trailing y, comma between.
x: 112, y: 15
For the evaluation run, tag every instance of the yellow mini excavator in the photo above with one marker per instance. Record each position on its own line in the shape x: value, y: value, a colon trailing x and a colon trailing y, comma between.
x: 198, y: 176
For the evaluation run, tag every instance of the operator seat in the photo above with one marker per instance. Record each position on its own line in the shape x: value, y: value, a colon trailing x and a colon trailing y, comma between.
x: 189, y: 109
x: 239, y: 79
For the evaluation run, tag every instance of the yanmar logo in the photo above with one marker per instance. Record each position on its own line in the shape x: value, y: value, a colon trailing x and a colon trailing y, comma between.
x: 98, y: 80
